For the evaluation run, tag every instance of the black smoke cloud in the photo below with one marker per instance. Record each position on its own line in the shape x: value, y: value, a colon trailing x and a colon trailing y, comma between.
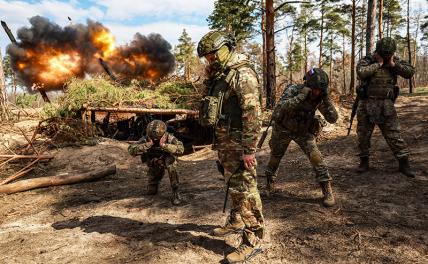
x: 145, y: 57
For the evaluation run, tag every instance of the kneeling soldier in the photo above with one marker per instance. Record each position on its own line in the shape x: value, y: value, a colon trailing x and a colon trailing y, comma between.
x: 294, y: 119
x: 158, y: 149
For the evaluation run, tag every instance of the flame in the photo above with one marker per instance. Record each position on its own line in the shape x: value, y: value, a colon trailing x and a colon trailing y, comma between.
x: 21, y: 65
x: 104, y: 41
x: 60, y: 67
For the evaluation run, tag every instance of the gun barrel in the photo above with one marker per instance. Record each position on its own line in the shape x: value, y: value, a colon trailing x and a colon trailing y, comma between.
x: 8, y: 32
x: 107, y: 69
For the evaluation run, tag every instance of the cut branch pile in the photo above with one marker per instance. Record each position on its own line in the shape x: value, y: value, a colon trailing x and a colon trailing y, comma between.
x: 23, y: 159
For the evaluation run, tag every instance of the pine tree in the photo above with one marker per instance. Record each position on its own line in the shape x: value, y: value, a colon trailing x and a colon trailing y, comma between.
x: 237, y: 17
x: 185, y: 55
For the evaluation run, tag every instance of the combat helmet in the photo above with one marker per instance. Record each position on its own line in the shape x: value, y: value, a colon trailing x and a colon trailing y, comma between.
x: 386, y: 47
x: 317, y: 78
x: 213, y: 41
x: 156, y: 129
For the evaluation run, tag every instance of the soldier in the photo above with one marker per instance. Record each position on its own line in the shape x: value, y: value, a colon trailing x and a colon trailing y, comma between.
x: 232, y: 107
x: 378, y: 74
x: 294, y: 119
x: 158, y: 149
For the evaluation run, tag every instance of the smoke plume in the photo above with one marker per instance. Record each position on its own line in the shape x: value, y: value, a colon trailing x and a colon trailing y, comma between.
x: 47, y: 55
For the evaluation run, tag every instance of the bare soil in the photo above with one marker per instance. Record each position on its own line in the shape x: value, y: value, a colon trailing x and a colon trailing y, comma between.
x: 381, y: 216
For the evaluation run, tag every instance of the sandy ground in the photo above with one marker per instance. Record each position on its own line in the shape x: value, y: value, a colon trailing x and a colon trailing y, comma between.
x: 381, y: 216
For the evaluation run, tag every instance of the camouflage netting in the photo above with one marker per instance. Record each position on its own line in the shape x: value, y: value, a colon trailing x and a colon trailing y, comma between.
x: 99, y: 92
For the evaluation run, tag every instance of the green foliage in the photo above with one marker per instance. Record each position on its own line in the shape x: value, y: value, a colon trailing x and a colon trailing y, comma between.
x: 234, y: 16
x: 392, y: 17
x: 185, y: 55
x: 26, y: 100
x: 99, y: 92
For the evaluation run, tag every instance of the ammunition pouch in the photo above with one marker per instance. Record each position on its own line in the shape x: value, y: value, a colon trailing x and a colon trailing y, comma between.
x: 317, y: 125
x: 362, y: 91
x: 210, y: 110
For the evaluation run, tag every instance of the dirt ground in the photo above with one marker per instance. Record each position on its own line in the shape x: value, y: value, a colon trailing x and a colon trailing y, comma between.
x: 381, y: 216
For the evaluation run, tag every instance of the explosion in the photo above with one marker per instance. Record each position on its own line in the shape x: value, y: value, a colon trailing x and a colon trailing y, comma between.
x: 48, y: 55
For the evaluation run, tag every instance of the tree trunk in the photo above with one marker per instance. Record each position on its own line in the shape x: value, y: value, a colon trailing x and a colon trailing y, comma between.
x: 409, y: 48
x: 321, y: 35
x: 380, y: 17
x: 264, y: 59
x: 353, y: 40
x: 270, y: 55
x: 331, y: 60
x: 30, y: 184
x: 343, y: 64
x: 4, y: 113
x: 370, y: 33
x: 306, y: 51
x: 290, y: 54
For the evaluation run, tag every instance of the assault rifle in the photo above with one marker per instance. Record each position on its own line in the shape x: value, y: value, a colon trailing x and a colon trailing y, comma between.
x: 221, y: 170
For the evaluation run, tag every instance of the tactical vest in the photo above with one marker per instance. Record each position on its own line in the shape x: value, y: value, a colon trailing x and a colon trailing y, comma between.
x: 221, y: 106
x: 381, y: 85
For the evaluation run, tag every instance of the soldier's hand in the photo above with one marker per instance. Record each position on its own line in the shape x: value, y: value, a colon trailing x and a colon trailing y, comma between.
x: 304, y: 93
x: 391, y: 61
x: 378, y: 58
x: 249, y: 160
x: 162, y: 141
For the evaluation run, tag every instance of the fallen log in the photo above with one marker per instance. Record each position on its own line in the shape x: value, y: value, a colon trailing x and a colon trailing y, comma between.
x: 141, y: 110
x: 27, y: 156
x: 30, y: 184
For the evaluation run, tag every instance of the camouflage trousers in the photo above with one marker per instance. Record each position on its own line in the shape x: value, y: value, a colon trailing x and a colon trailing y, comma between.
x: 278, y: 145
x: 383, y: 114
x: 244, y: 195
x: 157, y: 169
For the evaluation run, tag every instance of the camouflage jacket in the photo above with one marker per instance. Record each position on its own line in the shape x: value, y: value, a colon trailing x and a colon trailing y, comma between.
x: 240, y: 123
x: 150, y: 151
x: 381, y: 81
x: 297, y: 116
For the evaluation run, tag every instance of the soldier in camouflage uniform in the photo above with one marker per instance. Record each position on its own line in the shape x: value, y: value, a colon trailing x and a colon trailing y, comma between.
x: 158, y: 149
x: 378, y: 74
x: 236, y: 138
x: 295, y: 120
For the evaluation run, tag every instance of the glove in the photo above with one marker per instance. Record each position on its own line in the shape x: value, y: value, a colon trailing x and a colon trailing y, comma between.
x: 133, y: 150
x: 304, y: 93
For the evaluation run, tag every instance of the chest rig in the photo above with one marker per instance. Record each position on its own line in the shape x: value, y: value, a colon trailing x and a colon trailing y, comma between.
x: 221, y: 106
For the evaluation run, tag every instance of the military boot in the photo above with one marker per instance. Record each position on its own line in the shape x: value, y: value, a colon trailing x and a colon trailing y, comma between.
x: 152, y: 189
x: 244, y: 252
x: 270, y: 182
x: 231, y: 226
x: 404, y: 167
x: 327, y: 191
x: 176, y: 200
x: 364, y: 165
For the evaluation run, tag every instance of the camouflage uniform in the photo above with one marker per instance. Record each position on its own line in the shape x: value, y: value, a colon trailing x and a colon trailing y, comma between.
x: 158, y: 159
x: 299, y: 123
x: 236, y: 134
x: 376, y: 107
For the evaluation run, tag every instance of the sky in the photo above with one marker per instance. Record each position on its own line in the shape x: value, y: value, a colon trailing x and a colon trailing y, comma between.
x: 127, y: 17
x: 123, y: 17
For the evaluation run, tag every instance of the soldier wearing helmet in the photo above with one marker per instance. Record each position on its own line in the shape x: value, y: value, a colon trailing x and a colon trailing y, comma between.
x: 378, y: 73
x: 158, y: 149
x: 295, y: 120
x: 233, y: 109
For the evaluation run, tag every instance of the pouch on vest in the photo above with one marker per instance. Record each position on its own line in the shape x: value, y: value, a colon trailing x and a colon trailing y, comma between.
x: 210, y: 109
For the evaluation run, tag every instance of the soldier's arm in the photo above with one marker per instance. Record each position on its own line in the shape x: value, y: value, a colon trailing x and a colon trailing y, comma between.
x: 404, y: 69
x: 173, y: 145
x: 294, y: 97
x: 142, y: 146
x: 247, y: 90
x: 328, y: 110
x: 366, y: 68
